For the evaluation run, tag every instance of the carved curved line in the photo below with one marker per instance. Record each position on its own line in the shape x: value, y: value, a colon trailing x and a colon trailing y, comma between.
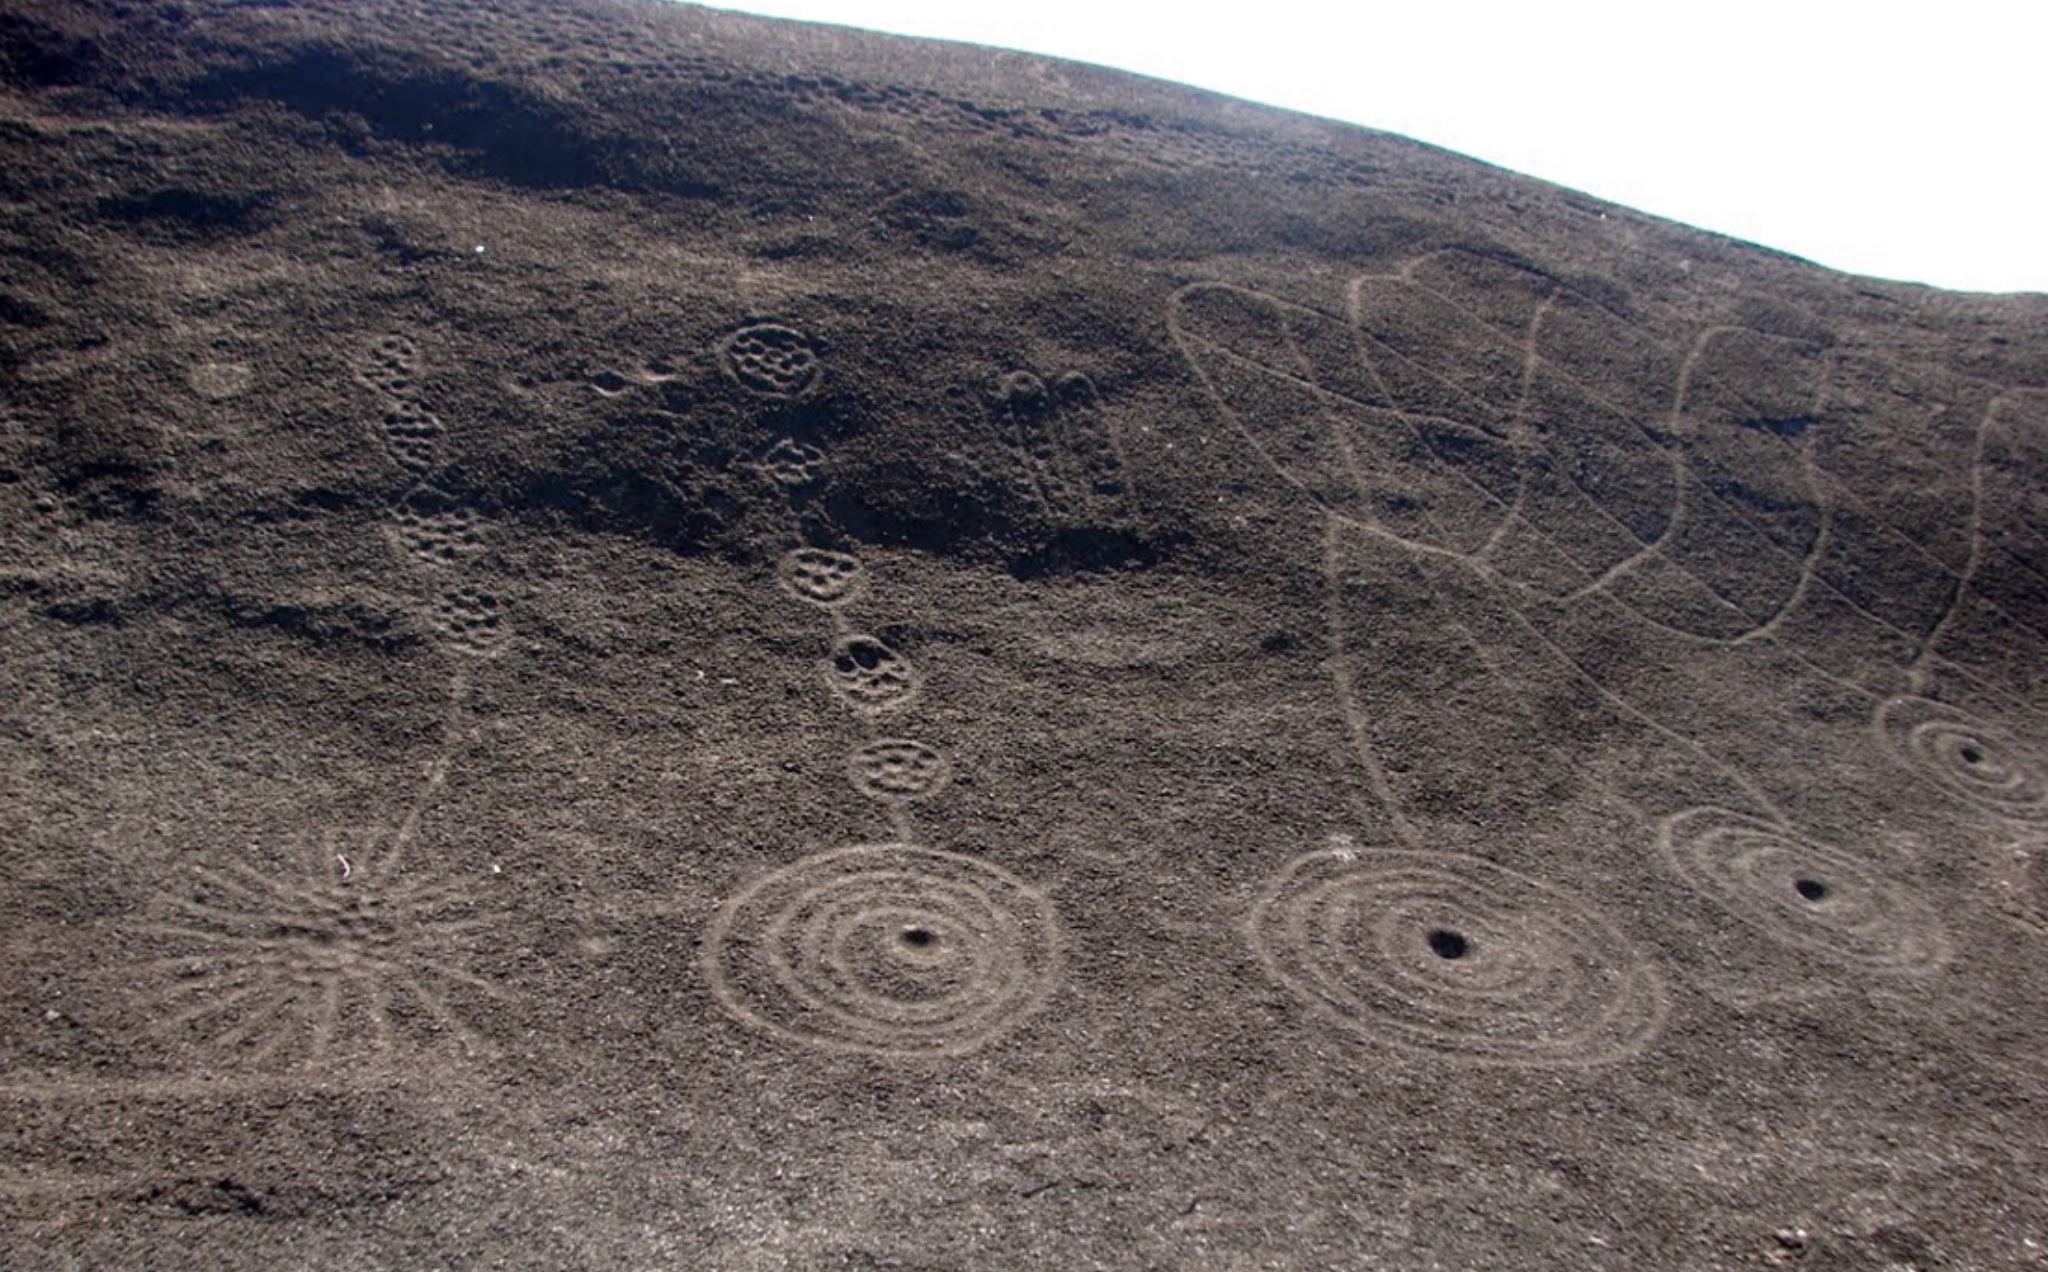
x: 1355, y: 722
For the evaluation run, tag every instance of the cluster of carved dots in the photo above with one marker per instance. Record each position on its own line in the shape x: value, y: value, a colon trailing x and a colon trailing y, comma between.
x: 889, y: 948
x: 896, y: 949
x: 772, y: 359
x: 822, y: 576
x: 430, y: 529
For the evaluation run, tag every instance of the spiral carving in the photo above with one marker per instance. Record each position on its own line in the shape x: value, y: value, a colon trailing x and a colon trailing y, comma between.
x: 1455, y: 957
x: 886, y: 949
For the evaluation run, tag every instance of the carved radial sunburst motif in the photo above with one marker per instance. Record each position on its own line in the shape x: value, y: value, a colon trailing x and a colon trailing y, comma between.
x: 343, y: 957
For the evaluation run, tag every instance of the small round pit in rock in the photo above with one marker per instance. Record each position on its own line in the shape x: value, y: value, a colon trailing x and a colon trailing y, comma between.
x: 1448, y: 944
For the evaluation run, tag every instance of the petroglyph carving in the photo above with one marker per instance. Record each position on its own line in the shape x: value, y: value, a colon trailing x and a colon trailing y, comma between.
x: 414, y: 435
x: 1802, y: 893
x: 345, y: 958
x: 885, y: 949
x: 868, y: 674
x: 1971, y: 758
x: 1060, y: 439
x: 2024, y: 881
x: 392, y: 367
x: 792, y: 463
x: 433, y: 530
x: 898, y: 769
x: 470, y: 622
x: 821, y: 576
x: 1468, y: 408
x: 772, y: 359
x: 1447, y: 955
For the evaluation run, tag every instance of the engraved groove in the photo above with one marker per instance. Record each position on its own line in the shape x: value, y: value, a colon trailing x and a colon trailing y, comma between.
x: 1518, y: 454
x: 1453, y: 957
x: 1802, y: 894
x: 2024, y: 882
x: 885, y: 949
x: 1971, y: 758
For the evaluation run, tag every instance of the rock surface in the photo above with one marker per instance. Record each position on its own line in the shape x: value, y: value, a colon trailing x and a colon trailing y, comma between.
x: 635, y: 638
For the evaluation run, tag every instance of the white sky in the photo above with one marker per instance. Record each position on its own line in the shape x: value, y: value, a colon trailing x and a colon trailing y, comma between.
x: 1907, y: 141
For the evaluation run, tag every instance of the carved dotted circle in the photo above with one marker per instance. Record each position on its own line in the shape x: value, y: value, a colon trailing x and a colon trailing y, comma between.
x: 821, y: 576
x: 772, y: 359
x: 868, y: 674
x: 897, y: 770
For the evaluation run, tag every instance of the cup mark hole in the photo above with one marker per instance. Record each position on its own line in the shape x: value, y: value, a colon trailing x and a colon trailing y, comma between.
x: 917, y: 936
x: 1445, y: 943
x: 1810, y: 889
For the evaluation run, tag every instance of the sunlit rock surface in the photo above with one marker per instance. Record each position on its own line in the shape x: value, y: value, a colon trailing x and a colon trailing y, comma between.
x: 632, y: 638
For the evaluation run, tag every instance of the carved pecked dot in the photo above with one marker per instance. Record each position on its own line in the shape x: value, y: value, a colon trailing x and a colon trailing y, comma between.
x: 1445, y: 943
